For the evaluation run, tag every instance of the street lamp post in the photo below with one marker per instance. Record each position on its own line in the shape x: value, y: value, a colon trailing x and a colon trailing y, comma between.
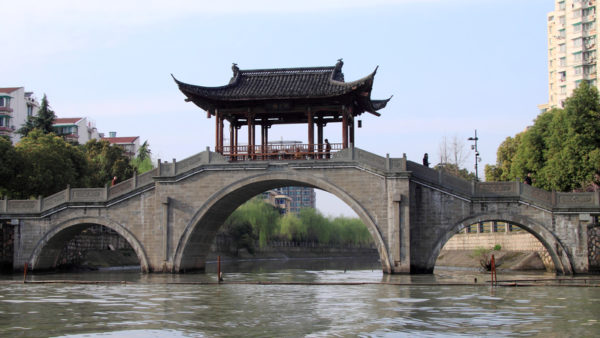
x: 474, y: 147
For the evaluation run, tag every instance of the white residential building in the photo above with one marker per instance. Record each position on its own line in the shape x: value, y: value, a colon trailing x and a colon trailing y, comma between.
x: 572, y: 55
x: 15, y: 106
x: 76, y: 129
x: 130, y: 144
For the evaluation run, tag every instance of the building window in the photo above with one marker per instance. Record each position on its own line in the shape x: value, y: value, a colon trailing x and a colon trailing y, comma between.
x: 563, y: 89
x: 3, y: 102
x: 577, y: 43
x: 562, y: 20
x: 562, y: 47
x: 4, y: 121
x: 578, y: 57
x: 562, y: 33
x: 561, y: 5
x: 577, y: 27
x: 29, y: 110
x: 563, y: 62
x: 588, y: 26
x: 578, y: 70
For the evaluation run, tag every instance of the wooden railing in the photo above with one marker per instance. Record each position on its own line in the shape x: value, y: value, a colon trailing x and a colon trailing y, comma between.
x: 280, y: 152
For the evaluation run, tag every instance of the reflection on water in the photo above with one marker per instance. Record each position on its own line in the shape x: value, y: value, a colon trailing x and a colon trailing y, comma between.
x: 150, y: 306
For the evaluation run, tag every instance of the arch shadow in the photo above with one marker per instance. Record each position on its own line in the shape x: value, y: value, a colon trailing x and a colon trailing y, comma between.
x: 47, y: 250
x: 557, y: 251
x: 194, y: 243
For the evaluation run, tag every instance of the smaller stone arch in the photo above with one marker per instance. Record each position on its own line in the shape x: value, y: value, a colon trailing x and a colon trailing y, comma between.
x: 48, y: 248
x: 552, y: 244
x: 227, y: 199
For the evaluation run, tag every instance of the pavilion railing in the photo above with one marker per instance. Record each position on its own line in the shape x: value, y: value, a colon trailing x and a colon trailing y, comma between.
x: 280, y: 152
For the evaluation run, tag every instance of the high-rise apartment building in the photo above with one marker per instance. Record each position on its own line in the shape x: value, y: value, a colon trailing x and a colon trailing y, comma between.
x: 572, y: 35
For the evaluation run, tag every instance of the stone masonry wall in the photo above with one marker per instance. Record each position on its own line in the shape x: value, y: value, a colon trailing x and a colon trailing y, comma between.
x: 594, y: 248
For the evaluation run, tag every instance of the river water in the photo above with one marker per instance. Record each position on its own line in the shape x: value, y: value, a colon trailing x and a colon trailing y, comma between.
x: 193, y: 305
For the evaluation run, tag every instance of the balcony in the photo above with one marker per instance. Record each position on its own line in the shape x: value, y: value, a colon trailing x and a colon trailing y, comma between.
x: 4, y: 130
x: 6, y: 109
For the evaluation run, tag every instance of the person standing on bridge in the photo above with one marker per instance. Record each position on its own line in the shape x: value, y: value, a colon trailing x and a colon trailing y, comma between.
x: 426, y: 160
x: 528, y: 179
x: 327, y: 148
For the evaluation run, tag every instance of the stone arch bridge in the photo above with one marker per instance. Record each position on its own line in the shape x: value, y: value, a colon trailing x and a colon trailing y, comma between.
x: 171, y: 214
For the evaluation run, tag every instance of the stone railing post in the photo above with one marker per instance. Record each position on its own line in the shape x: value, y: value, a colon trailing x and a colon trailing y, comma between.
x: 554, y: 199
x: 208, y: 153
x: 40, y: 201
x: 387, y: 162
x: 518, y: 188
x: 174, y: 167
x: 404, y: 161
x: 3, y: 204
x: 159, y: 167
x: 134, y: 178
x: 474, y: 187
x: 106, y: 191
x: 68, y: 193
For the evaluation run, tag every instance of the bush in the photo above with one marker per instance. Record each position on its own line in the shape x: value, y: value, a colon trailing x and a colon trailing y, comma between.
x: 497, y: 247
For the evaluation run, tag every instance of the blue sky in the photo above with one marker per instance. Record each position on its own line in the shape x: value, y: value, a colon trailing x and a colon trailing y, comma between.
x: 453, y: 66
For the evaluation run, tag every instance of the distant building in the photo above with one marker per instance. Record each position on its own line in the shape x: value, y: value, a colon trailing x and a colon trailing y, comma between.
x: 76, y: 129
x: 281, y: 202
x: 302, y: 197
x: 572, y: 52
x: 130, y: 144
x: 15, y: 106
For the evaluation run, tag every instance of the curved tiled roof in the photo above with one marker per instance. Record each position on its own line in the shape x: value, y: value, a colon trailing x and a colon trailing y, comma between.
x: 282, y: 83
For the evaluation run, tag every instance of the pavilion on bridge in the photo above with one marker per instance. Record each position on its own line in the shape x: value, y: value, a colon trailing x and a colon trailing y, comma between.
x: 266, y: 97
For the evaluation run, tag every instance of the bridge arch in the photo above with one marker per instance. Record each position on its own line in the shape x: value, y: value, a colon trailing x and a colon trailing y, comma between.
x: 557, y: 251
x: 48, y: 248
x: 199, y: 233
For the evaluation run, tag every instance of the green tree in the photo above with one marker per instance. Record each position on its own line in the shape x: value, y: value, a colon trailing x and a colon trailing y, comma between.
x: 292, y: 229
x: 49, y: 165
x: 142, y: 162
x: 43, y: 120
x: 106, y: 162
x: 452, y: 169
x: 12, y: 164
x: 561, y: 149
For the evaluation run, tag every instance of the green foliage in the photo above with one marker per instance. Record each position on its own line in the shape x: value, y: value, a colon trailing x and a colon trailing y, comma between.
x: 43, y: 120
x: 561, y: 149
x: 12, y: 164
x: 453, y: 169
x: 142, y: 166
x: 106, y: 162
x: 49, y: 164
x: 308, y: 226
x: 144, y: 152
x: 142, y: 162
x: 497, y: 247
x: 242, y: 235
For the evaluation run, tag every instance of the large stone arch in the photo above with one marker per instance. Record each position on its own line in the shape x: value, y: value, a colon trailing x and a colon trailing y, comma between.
x: 197, y: 237
x: 557, y: 251
x: 48, y: 248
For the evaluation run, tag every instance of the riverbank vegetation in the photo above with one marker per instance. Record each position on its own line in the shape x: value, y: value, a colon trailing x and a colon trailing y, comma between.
x: 561, y: 150
x: 42, y: 163
x: 258, y: 221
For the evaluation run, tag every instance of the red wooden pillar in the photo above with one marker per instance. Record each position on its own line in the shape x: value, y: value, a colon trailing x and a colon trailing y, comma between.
x: 352, y: 131
x: 235, y: 136
x: 250, y: 147
x: 344, y: 129
x: 320, y: 138
x: 231, y: 140
x: 311, y: 132
x: 221, y: 129
x: 216, y: 131
x: 263, y: 146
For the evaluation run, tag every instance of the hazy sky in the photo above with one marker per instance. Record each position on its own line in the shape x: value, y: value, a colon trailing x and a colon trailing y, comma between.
x: 453, y: 66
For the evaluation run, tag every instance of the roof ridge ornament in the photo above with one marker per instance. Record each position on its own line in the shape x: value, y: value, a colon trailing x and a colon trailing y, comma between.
x: 236, y: 72
x: 337, y: 74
